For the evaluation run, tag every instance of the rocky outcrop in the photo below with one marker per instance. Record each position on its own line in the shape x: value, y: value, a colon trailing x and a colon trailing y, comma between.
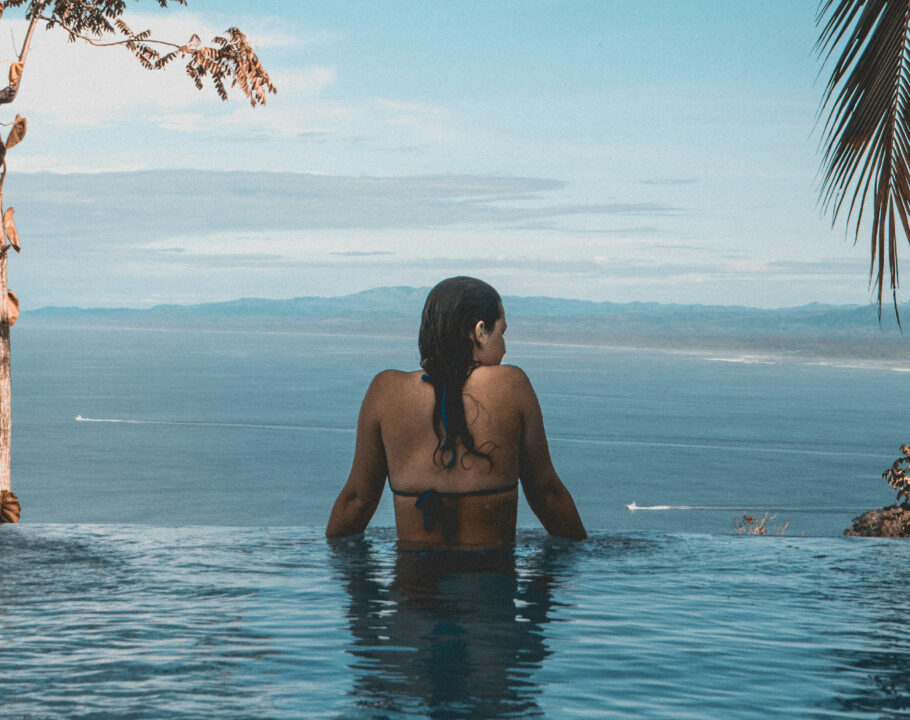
x: 893, y: 521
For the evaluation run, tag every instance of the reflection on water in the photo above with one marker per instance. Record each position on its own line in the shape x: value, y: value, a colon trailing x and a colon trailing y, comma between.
x: 102, y: 623
x: 447, y: 635
x: 223, y: 623
x: 875, y: 655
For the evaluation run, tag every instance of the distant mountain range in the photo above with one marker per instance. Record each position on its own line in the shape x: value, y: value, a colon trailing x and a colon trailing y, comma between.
x: 397, y: 309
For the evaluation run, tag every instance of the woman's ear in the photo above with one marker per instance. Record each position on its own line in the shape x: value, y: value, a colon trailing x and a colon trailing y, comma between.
x: 480, y: 330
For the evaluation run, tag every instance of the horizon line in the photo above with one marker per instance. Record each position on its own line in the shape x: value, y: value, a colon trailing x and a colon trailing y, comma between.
x: 426, y: 289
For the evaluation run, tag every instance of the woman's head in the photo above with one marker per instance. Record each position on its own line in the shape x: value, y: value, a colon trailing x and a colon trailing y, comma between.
x: 461, y: 327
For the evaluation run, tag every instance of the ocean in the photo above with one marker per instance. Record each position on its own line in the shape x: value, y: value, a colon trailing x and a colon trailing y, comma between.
x: 175, y: 485
x: 257, y: 429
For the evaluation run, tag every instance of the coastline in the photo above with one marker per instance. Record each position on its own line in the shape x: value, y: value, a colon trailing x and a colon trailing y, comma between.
x: 874, y: 352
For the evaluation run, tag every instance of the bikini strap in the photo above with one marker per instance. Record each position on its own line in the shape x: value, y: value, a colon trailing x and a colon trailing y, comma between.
x: 451, y: 494
x: 430, y: 500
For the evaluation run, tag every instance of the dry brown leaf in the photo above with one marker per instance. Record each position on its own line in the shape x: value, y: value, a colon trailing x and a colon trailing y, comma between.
x: 15, y: 72
x: 12, y: 307
x: 17, y: 133
x: 9, y: 227
x: 10, y: 510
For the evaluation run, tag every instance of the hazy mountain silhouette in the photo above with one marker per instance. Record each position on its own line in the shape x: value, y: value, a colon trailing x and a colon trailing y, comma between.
x: 399, y: 307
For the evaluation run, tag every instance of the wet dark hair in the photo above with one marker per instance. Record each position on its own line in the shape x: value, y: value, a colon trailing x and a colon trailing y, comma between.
x: 452, y: 310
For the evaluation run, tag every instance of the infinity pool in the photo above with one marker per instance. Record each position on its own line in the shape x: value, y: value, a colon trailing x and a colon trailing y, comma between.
x: 144, y: 622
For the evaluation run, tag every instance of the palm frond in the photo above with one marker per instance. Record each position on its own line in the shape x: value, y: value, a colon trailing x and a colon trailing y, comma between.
x: 866, y: 136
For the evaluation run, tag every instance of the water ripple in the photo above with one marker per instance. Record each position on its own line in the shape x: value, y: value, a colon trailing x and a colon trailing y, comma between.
x: 140, y: 622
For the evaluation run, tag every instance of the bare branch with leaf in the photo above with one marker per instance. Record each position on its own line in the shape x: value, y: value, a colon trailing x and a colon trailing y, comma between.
x: 229, y: 61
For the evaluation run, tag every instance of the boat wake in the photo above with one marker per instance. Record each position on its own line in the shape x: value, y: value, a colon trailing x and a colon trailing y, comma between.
x: 696, y: 445
x: 203, y: 423
x: 633, y: 507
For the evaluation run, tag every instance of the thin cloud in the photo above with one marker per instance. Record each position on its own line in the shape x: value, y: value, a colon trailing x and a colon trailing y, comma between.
x: 60, y: 91
x: 625, y: 230
x: 187, y: 260
x: 131, y: 207
x: 642, y: 267
x: 669, y: 181
x: 849, y: 267
x: 648, y: 208
x: 363, y: 253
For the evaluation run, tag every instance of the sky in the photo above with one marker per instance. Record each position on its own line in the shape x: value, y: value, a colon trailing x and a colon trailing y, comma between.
x: 610, y: 150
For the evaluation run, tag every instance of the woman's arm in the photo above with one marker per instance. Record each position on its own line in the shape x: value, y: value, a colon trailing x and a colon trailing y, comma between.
x: 360, y: 495
x: 547, y: 496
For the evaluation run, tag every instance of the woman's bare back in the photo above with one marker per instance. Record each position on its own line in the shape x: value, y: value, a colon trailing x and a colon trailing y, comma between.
x: 396, y: 438
x: 474, y: 501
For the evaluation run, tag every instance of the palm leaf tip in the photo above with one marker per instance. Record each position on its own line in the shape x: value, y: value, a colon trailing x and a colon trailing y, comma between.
x: 866, y: 134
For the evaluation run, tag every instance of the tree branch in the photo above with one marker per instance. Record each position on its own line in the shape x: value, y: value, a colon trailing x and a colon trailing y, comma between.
x: 127, y: 41
x: 8, y: 94
x: 229, y: 57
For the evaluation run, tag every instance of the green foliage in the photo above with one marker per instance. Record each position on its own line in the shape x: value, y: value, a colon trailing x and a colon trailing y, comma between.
x: 898, y: 477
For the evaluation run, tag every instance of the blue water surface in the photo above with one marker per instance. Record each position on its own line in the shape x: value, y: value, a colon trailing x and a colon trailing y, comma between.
x: 171, y: 563
x: 103, y: 621
x: 257, y: 429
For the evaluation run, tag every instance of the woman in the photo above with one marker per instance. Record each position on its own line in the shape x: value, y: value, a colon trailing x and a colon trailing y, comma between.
x: 455, y: 439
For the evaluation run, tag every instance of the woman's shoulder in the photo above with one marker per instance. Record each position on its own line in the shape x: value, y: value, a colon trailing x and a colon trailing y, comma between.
x: 393, y: 380
x: 503, y: 372
x: 390, y: 387
x: 509, y: 378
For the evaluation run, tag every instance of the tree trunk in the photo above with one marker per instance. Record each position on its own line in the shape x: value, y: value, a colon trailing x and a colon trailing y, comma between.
x: 6, y: 417
x: 9, y: 504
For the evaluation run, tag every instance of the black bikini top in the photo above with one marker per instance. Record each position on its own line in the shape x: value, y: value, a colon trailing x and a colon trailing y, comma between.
x: 430, y: 501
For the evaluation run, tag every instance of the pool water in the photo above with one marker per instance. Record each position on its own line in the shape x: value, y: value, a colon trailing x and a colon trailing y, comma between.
x: 138, y: 621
